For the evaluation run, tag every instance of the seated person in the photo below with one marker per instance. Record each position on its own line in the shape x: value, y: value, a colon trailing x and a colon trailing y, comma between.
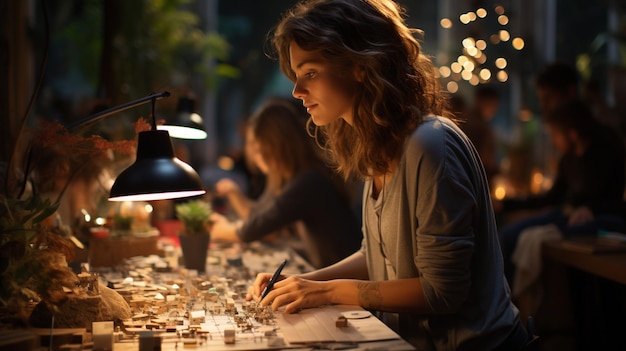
x: 300, y: 191
x: 588, y: 189
x: 477, y: 127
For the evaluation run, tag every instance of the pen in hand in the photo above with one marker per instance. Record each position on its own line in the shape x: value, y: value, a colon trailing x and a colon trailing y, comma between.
x: 270, y: 284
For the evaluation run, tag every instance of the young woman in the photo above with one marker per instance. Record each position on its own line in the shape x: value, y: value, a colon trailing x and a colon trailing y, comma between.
x: 430, y: 259
x: 300, y: 192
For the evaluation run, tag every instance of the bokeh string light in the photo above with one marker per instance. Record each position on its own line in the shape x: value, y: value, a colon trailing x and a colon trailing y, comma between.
x: 473, y: 65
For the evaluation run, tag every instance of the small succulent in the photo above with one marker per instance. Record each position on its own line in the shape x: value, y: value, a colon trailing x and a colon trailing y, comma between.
x: 195, y: 216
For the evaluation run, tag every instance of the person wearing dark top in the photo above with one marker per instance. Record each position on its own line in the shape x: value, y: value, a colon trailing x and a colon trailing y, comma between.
x: 302, y: 195
x: 586, y: 195
x: 477, y: 126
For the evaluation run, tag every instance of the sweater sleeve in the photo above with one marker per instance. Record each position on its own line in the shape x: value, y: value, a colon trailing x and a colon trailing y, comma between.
x: 278, y: 211
x: 445, y: 211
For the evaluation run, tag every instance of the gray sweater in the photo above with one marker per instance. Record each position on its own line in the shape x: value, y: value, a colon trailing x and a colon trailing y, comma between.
x: 437, y: 224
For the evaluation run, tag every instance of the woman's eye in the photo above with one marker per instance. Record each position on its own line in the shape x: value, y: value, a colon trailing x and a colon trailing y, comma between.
x: 310, y: 75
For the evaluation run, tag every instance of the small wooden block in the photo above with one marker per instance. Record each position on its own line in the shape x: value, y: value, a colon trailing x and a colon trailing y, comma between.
x: 341, y: 322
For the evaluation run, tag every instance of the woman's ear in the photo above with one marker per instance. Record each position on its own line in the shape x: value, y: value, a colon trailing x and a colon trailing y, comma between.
x: 359, y: 73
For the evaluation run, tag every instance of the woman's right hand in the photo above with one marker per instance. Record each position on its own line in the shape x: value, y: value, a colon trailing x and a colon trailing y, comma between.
x: 226, y: 186
x: 261, y: 281
x: 222, y: 229
x: 295, y: 293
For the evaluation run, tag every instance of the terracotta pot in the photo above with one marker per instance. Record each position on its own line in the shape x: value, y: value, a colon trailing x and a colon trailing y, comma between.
x: 195, y: 249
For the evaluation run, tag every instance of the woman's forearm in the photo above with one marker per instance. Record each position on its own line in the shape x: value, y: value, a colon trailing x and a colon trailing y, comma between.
x: 400, y: 295
x: 351, y: 267
x: 240, y: 204
x: 224, y: 230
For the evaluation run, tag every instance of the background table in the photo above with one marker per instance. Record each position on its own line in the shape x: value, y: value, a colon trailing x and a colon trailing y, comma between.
x: 609, y: 265
x: 584, y: 298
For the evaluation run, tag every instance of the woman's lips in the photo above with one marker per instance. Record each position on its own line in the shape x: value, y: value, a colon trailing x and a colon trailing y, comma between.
x: 310, y: 107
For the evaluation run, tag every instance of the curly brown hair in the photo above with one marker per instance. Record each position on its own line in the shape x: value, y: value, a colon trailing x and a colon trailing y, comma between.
x: 399, y: 86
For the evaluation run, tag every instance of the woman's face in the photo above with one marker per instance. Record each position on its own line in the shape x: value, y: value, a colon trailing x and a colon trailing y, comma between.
x: 253, y: 149
x: 326, y: 94
x: 559, y: 139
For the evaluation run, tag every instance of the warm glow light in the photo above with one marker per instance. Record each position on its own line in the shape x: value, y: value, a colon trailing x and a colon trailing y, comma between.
x: 226, y: 163
x: 499, y: 9
x: 485, y: 74
x: 503, y: 20
x: 445, y: 23
x: 481, y: 44
x: 472, y: 16
x: 518, y: 43
x: 445, y: 71
x: 452, y: 87
x: 464, y: 18
x: 126, y: 208
x: 462, y: 59
x: 525, y: 115
x: 474, y: 80
x: 537, y: 177
x: 537, y: 181
x: 481, y: 12
x: 468, y: 66
x: 466, y: 75
x: 148, y: 208
x: 472, y: 51
x: 456, y: 67
x: 500, y: 193
x: 501, y: 62
x: 100, y: 221
x: 503, y: 76
x: 482, y: 58
x: 468, y: 42
x: 504, y: 35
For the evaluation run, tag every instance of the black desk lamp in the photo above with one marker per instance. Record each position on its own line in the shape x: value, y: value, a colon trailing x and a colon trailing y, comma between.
x: 187, y: 124
x: 156, y: 174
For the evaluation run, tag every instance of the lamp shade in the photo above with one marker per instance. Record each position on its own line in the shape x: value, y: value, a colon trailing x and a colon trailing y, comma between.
x: 187, y: 124
x: 156, y: 173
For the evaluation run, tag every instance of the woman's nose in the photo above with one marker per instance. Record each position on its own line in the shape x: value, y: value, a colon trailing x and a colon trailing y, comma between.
x: 298, y: 92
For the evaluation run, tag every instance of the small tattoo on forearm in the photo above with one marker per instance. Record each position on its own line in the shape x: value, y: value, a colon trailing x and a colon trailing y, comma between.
x: 369, y: 295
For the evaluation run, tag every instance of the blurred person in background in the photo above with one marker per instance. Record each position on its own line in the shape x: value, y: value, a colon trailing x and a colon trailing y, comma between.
x: 556, y: 84
x: 477, y: 126
x: 586, y: 195
x: 301, y: 194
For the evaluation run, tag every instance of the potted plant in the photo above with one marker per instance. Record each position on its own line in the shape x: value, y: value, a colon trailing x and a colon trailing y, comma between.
x: 34, y: 247
x: 194, y: 236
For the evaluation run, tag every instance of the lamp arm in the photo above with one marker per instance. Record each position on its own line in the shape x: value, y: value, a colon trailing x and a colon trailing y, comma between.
x: 100, y: 115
